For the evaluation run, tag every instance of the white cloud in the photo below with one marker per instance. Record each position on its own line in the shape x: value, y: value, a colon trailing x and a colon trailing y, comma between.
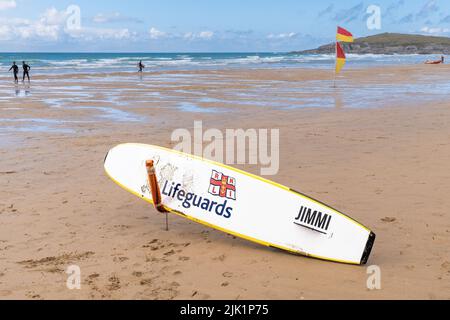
x: 207, y: 35
x: 282, y: 35
x: 115, y: 17
x: 4, y: 33
x: 52, y: 26
x: 189, y: 36
x: 437, y: 30
x: 155, y: 34
x: 92, y: 34
x: 53, y: 17
x: 104, y: 18
x: 50, y: 32
x: 7, y: 4
x: 203, y: 35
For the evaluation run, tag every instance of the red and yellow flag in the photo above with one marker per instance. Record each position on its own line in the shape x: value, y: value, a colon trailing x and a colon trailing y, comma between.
x: 340, y: 58
x: 343, y: 35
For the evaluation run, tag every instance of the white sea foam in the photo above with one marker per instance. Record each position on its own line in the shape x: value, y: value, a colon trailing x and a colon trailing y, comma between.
x: 98, y: 63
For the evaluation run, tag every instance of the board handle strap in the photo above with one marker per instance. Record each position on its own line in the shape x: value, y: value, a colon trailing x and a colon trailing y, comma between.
x: 156, y: 191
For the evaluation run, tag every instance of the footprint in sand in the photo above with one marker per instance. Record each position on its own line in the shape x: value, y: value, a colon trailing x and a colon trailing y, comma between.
x: 205, y: 234
x: 91, y: 278
x: 201, y: 296
x: 122, y: 227
x: 7, y: 172
x: 157, y: 245
x: 146, y: 282
x: 53, y: 264
x: 169, y: 253
x: 220, y: 258
x: 114, y: 283
x: 6, y: 248
x: 32, y: 295
x: 11, y: 209
x: 166, y: 291
x: 184, y: 258
x: 120, y: 259
x: 159, y: 291
x: 151, y: 259
x: 446, y: 266
x: 154, y: 245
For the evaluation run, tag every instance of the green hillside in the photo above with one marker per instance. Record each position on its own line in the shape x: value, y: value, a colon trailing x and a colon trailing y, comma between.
x: 391, y: 43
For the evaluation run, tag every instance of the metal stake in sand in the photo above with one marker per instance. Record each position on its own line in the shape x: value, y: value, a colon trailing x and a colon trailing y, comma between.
x: 156, y: 192
x: 335, y: 66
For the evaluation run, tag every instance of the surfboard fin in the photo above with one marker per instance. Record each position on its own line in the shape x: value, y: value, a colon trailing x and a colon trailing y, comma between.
x: 156, y: 191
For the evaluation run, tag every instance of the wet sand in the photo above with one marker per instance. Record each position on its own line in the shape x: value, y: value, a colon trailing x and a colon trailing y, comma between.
x: 383, y: 161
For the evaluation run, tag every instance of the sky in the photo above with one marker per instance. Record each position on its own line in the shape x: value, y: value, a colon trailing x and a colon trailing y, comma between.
x: 206, y: 25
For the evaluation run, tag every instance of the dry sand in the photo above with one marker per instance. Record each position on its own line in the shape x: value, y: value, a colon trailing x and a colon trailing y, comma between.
x: 387, y: 167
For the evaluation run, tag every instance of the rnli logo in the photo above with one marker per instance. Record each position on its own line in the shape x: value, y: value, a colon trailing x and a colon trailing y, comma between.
x: 222, y: 186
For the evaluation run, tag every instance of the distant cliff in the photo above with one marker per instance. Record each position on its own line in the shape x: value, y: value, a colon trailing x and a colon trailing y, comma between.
x: 390, y: 43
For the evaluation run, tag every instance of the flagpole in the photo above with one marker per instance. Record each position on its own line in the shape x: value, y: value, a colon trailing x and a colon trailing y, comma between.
x: 335, y: 64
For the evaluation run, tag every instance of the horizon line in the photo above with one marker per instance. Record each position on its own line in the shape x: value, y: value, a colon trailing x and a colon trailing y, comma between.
x: 144, y: 52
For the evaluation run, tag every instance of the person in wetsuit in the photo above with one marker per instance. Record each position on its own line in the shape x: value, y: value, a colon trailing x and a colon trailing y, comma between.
x: 26, y: 71
x: 15, y: 70
x: 141, y: 66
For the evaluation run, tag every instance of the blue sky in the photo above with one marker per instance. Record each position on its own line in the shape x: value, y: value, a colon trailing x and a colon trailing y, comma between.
x: 205, y: 25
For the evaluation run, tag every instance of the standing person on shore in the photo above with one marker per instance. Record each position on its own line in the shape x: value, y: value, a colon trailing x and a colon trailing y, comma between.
x: 141, y: 66
x: 26, y: 71
x: 15, y: 70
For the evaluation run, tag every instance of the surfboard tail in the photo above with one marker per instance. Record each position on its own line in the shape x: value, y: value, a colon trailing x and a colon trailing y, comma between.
x: 368, y: 249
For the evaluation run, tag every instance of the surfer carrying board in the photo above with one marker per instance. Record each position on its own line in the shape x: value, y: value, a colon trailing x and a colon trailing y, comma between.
x: 141, y: 66
x: 441, y: 61
x: 15, y: 70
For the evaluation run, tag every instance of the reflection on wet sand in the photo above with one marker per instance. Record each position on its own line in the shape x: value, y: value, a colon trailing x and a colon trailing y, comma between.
x: 22, y: 91
x: 123, y: 98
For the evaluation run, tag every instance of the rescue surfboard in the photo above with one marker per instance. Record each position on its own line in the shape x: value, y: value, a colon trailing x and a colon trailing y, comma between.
x: 240, y: 203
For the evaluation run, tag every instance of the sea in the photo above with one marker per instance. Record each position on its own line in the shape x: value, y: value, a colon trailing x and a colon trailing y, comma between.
x: 58, y: 63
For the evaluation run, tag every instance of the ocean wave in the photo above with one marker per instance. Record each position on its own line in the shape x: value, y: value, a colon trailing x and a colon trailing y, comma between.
x: 56, y: 63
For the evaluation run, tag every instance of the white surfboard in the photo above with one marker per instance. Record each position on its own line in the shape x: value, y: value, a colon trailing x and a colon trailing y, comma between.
x: 241, y: 204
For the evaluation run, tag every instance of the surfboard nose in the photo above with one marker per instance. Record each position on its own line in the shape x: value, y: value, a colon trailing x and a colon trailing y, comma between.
x: 106, y: 157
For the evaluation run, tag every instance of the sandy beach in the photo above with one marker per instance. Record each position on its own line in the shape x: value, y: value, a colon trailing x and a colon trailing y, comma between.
x: 376, y: 147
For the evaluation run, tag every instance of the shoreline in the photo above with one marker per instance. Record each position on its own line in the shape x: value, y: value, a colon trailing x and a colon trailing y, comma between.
x: 238, y: 69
